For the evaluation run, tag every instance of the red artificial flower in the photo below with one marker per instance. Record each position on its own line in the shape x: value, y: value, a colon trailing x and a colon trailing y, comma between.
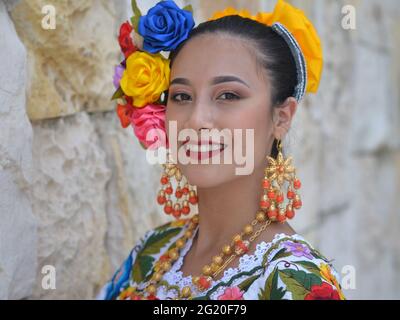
x: 125, y: 114
x: 125, y: 39
x: 322, y: 292
x: 152, y: 297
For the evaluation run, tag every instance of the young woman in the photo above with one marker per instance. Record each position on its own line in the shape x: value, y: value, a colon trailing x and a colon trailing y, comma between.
x: 232, y: 72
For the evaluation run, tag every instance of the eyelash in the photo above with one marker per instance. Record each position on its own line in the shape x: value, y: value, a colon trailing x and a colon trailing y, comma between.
x: 173, y: 98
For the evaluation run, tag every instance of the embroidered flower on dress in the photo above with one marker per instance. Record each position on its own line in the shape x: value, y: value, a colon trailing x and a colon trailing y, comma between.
x: 326, y: 273
x: 298, y: 249
x: 233, y: 293
x: 322, y: 292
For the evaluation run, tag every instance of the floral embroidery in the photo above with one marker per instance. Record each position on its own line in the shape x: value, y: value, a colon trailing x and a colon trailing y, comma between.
x: 298, y: 249
x: 324, y: 291
x: 288, y: 268
x: 233, y: 293
x: 328, y: 276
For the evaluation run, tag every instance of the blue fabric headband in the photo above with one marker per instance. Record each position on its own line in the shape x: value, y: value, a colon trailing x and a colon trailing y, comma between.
x: 298, y: 58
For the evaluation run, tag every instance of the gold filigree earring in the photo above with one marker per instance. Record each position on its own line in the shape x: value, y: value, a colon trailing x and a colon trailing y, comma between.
x: 276, y: 173
x: 185, y: 194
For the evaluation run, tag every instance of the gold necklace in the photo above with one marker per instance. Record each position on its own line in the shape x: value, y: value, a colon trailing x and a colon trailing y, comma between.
x: 239, y: 245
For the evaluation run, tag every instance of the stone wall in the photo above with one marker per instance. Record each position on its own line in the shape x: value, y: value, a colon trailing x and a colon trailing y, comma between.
x: 76, y: 191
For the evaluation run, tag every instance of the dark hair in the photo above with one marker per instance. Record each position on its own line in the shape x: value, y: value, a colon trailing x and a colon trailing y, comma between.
x: 272, y: 53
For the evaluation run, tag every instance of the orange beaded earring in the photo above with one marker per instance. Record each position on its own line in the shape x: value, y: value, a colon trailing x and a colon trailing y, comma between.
x: 185, y: 194
x: 272, y: 200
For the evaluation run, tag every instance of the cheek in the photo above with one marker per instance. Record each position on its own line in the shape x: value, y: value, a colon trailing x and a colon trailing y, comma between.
x: 172, y: 114
x: 258, y: 119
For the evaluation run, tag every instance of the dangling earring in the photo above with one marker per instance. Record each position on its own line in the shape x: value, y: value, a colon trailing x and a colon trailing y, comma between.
x: 185, y: 194
x: 276, y: 173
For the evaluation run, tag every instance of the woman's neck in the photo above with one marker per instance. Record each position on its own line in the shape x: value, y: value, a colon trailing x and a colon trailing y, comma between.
x: 226, y: 209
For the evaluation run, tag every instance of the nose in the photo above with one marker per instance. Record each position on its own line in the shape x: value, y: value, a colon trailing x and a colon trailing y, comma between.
x: 200, y: 117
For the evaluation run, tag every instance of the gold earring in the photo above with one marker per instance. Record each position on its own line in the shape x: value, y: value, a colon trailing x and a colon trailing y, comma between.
x: 276, y: 173
x: 185, y: 194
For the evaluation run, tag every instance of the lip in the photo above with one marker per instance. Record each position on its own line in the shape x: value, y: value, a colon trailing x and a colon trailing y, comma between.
x: 214, y: 148
x: 201, y: 142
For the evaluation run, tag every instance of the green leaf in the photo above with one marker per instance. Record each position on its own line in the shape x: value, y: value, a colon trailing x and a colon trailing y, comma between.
x: 247, y: 283
x: 158, y: 240
x: 298, y: 282
x: 117, y: 94
x: 312, y: 267
x: 135, y: 9
x: 280, y: 254
x: 142, y: 265
x: 142, y: 145
x: 136, y: 15
x: 135, y: 23
x: 316, y: 254
x: 201, y: 298
x: 271, y: 290
x: 188, y: 8
x: 163, y: 226
x: 276, y: 293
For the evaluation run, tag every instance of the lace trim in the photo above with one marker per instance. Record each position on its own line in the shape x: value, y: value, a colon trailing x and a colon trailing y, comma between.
x: 246, y: 262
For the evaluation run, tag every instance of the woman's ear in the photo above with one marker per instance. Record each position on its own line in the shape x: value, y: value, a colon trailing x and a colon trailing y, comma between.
x: 282, y: 117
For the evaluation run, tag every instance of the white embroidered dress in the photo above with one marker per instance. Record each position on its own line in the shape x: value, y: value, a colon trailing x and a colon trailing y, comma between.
x: 288, y: 267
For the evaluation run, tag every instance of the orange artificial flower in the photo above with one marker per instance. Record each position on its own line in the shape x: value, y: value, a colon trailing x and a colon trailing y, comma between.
x: 299, y: 26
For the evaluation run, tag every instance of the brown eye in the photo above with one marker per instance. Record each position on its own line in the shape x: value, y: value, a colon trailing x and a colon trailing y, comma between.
x: 230, y: 96
x: 179, y: 97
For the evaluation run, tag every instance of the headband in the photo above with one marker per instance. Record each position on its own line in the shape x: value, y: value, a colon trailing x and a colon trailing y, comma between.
x: 298, y: 56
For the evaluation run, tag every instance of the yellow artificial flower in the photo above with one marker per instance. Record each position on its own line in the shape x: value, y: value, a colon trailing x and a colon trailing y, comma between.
x: 326, y: 273
x: 305, y: 34
x: 302, y: 30
x: 146, y: 76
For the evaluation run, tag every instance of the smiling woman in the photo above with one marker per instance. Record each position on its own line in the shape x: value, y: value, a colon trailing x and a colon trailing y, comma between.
x: 233, y: 72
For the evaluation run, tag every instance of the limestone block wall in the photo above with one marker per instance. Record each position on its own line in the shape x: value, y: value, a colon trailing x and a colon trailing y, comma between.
x: 76, y: 191
x: 18, y: 226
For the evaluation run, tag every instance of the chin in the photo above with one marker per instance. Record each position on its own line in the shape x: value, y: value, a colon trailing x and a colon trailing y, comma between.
x: 208, y: 175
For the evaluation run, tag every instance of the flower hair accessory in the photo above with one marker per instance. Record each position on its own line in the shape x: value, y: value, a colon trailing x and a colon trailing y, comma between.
x: 142, y: 78
x: 300, y: 35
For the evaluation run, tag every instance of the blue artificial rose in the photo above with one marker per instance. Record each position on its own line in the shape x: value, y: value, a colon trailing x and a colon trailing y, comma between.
x: 165, y: 26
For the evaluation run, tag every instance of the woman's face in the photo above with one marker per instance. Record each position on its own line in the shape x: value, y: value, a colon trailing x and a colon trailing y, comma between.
x: 215, y: 84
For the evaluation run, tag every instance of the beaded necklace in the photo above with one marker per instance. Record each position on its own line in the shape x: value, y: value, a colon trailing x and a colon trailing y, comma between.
x: 239, y: 245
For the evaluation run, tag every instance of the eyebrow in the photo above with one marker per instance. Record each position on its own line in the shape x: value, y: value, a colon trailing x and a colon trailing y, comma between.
x: 214, y: 81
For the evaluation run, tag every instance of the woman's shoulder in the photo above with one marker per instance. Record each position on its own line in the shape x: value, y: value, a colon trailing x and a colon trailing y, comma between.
x: 294, y: 269
x: 137, y: 267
